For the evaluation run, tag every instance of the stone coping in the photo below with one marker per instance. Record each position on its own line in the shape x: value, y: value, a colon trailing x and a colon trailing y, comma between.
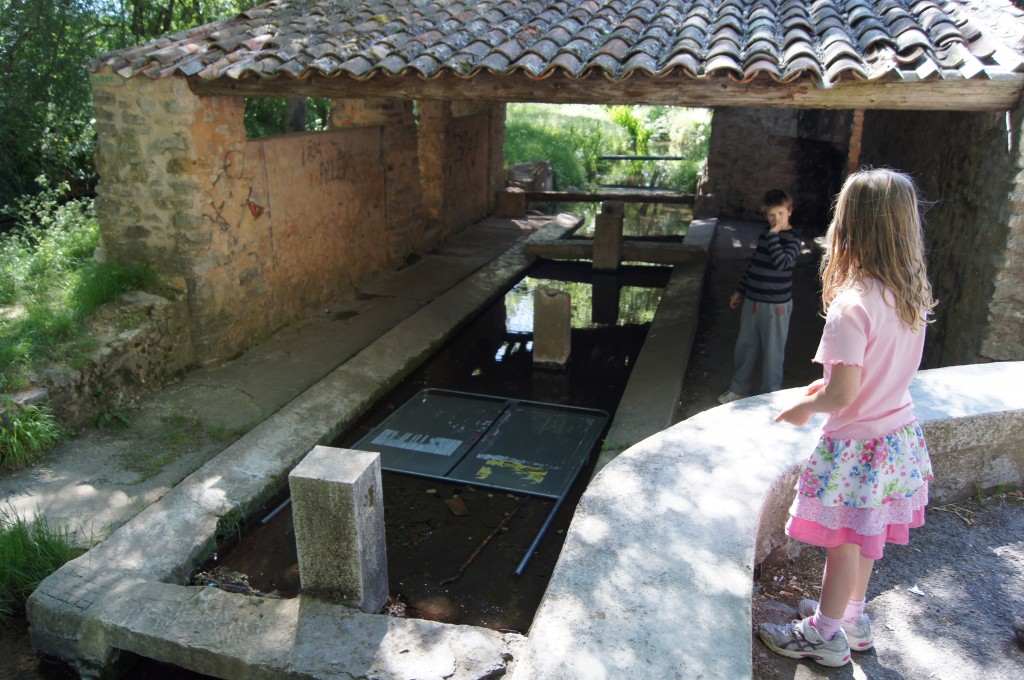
x: 664, y: 542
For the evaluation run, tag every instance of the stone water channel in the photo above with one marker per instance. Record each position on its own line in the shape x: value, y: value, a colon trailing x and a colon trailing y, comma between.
x: 436, y: 527
x: 645, y: 414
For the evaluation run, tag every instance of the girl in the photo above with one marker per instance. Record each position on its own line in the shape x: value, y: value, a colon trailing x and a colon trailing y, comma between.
x: 866, y: 483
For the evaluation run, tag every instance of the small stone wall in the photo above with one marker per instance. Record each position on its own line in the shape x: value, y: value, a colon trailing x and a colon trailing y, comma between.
x: 143, y: 343
x: 754, y: 150
x: 968, y: 166
x: 461, y: 162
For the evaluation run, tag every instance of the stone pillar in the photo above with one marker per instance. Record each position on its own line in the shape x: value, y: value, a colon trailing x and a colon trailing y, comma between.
x: 435, y: 120
x: 552, y: 327
x: 510, y: 203
x: 608, y: 236
x: 404, y: 211
x: 606, y: 288
x: 338, y: 512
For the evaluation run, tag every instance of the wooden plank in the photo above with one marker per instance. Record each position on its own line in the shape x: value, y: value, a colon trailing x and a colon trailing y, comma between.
x: 952, y: 94
x: 632, y: 196
x: 632, y: 251
x: 617, y: 157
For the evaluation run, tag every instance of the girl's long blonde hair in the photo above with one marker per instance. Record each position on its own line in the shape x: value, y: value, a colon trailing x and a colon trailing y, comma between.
x: 877, y: 231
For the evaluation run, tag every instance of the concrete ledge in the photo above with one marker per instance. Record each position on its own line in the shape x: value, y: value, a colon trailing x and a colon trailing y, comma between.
x: 667, y: 534
x: 649, y: 402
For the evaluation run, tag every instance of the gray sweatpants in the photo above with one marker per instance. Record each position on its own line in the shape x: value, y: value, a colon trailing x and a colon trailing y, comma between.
x: 763, y: 330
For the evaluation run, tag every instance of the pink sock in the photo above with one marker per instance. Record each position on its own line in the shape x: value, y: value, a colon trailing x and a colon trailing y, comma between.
x: 854, y: 610
x: 826, y: 627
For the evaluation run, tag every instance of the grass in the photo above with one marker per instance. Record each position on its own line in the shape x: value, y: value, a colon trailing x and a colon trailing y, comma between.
x: 26, y: 434
x: 29, y: 552
x: 50, y: 283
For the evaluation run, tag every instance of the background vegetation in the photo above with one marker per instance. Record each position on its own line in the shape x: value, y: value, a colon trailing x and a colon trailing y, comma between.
x: 46, y: 117
x: 574, y: 137
x: 29, y: 552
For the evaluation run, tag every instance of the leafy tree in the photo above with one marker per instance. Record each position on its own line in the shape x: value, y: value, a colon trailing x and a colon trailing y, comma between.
x: 46, y: 126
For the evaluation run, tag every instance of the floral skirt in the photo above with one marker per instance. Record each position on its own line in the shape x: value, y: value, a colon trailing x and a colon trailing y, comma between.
x: 864, y: 491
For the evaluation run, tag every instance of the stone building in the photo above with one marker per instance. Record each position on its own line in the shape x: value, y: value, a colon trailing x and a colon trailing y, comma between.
x: 254, y: 233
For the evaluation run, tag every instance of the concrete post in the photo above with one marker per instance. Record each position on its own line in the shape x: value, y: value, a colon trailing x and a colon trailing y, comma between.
x: 552, y: 327
x: 338, y: 512
x: 510, y: 203
x: 608, y: 236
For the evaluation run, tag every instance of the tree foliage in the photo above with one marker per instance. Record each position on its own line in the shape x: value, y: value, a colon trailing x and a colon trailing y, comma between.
x: 46, y: 126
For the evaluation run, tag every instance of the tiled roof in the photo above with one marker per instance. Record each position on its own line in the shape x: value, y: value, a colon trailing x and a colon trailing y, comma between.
x: 783, y: 40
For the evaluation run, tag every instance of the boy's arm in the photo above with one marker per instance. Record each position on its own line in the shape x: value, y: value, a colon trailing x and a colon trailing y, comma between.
x: 783, y: 249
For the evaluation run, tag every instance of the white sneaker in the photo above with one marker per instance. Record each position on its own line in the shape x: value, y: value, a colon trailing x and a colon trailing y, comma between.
x: 801, y: 640
x: 729, y: 396
x: 858, y: 632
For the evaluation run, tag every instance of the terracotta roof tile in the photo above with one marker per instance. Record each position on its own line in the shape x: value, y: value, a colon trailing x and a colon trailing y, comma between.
x: 824, y: 40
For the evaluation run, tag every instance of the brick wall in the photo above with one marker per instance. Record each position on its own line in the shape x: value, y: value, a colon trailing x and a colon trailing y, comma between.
x: 969, y: 167
x: 753, y: 150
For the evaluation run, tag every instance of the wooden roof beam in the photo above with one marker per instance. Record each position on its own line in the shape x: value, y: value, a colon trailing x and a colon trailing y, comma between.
x: 976, y: 94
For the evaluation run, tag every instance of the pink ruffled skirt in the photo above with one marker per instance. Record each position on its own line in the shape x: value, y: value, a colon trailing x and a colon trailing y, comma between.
x: 866, y: 492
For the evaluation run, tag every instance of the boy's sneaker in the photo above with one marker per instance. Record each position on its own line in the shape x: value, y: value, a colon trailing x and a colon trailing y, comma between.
x: 729, y: 396
x: 801, y: 640
x: 858, y: 632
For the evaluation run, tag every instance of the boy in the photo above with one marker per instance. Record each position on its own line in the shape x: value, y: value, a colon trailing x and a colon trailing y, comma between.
x: 766, y: 295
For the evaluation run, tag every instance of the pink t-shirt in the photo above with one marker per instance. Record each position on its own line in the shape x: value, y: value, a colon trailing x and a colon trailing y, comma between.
x: 862, y: 329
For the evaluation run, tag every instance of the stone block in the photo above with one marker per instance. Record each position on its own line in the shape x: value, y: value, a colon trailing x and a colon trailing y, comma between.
x: 338, y: 512
x: 552, y: 327
x: 608, y: 236
x: 510, y: 203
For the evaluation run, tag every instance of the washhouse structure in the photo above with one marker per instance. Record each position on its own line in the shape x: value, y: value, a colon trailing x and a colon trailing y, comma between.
x: 254, y: 233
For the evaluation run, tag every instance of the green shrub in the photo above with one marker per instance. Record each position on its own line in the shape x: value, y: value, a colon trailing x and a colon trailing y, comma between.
x: 26, y: 434
x: 573, y: 138
x: 102, y: 282
x: 570, y: 137
x: 29, y: 552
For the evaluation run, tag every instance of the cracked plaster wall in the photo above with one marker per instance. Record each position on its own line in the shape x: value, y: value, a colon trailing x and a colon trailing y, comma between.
x: 255, y: 234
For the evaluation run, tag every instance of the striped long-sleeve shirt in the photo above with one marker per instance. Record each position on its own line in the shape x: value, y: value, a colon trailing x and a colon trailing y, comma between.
x: 769, y: 276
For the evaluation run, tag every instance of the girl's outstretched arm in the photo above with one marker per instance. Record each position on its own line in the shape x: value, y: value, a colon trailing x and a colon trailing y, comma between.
x: 841, y: 390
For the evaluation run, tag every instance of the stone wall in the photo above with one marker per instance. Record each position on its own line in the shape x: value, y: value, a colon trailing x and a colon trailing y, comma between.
x: 969, y: 167
x: 142, y: 342
x: 256, y: 233
x: 753, y: 150
x: 461, y: 162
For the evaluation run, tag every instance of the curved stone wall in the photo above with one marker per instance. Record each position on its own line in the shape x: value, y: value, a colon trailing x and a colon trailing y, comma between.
x: 669, y: 532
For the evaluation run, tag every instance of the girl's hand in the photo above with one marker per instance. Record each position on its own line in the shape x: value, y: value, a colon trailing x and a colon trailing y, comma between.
x: 814, y: 386
x: 798, y: 414
x: 841, y: 390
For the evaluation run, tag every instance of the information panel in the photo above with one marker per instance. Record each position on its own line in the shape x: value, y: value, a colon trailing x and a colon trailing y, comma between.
x: 513, y: 445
